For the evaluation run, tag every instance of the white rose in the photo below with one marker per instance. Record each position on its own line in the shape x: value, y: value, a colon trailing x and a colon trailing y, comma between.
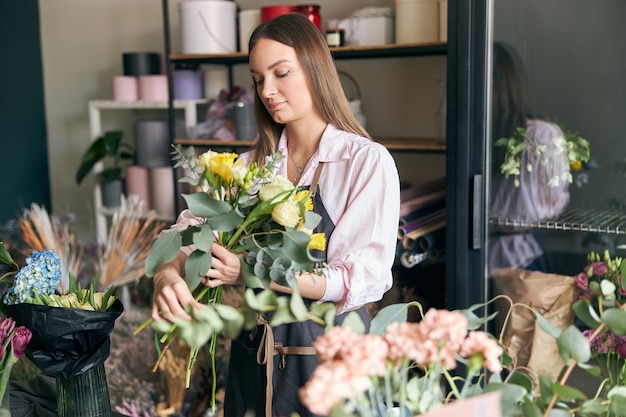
x: 278, y: 185
x: 286, y: 214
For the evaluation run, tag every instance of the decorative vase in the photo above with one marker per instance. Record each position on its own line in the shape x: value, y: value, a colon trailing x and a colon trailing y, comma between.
x: 5, y: 394
x: 112, y: 193
x: 84, y: 395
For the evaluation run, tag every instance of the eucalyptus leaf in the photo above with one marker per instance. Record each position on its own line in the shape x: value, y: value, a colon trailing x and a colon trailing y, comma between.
x: 195, y: 333
x: 262, y: 301
x: 297, y: 306
x: 225, y: 222
x: 208, y: 315
x: 295, y: 246
x: 165, y: 249
x: 204, y: 238
x: 311, y: 219
x: 585, y: 312
x: 250, y: 278
x: 202, y: 205
x: 282, y: 314
x: 615, y: 318
x: 547, y: 327
x: 594, y: 406
x: 573, y: 345
x: 353, y: 322
x: 197, y: 265
x: 233, y: 320
x: 187, y: 235
x: 389, y: 314
x: 617, y: 395
x: 567, y: 393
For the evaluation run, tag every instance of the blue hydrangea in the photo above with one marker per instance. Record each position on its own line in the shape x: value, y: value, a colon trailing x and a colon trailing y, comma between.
x: 42, y: 274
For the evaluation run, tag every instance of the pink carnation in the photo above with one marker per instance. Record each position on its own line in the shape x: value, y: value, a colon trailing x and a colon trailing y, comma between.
x: 445, y: 327
x: 330, y: 345
x: 480, y: 343
x: 331, y: 383
x: 405, y: 341
x: 367, y: 356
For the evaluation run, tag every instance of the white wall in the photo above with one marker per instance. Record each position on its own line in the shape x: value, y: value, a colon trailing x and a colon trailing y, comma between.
x: 82, y: 46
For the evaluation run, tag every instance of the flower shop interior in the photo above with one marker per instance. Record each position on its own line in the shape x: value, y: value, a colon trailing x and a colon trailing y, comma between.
x: 420, y: 76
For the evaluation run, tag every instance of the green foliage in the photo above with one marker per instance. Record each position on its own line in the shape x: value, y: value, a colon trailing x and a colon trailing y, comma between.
x: 109, y: 146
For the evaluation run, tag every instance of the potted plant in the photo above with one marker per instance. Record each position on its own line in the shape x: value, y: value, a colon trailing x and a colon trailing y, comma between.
x: 108, y: 146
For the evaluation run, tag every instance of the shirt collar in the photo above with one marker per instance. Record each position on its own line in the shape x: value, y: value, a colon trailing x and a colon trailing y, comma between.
x: 333, y: 146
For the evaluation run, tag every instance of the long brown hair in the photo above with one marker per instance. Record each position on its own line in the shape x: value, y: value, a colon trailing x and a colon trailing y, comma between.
x: 508, y: 108
x: 298, y: 32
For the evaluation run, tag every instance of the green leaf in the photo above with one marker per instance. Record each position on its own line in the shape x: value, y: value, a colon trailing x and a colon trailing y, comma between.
x: 311, y: 219
x: 617, y: 395
x: 187, y: 235
x: 567, y: 393
x: 295, y: 246
x: 573, y: 345
x: 251, y: 280
x: 233, y: 320
x: 387, y: 315
x: 204, y: 238
x: 5, y: 256
x: 353, y: 322
x: 282, y: 314
x: 262, y: 301
x: 165, y: 249
x: 547, y: 327
x: 202, y: 205
x: 607, y: 288
x: 225, y: 222
x: 298, y: 308
x: 585, y: 313
x: 197, y: 265
x: 615, y: 318
x: 103, y: 146
x: 592, y: 370
x: 595, y: 407
x: 325, y: 312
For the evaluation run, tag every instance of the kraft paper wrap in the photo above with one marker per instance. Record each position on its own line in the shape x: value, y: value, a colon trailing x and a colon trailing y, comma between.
x: 552, y: 296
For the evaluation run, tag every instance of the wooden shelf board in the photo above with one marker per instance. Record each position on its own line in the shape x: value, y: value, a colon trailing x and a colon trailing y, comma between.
x: 129, y: 105
x: 394, y: 144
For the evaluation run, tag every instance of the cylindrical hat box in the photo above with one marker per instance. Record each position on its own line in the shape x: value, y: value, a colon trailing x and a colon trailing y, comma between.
x: 125, y: 88
x: 141, y: 63
x: 208, y: 26
x: 152, y: 143
x: 162, y: 190
x: 188, y: 84
x: 248, y: 20
x: 270, y: 12
x: 153, y: 88
x: 417, y: 21
x: 138, y: 183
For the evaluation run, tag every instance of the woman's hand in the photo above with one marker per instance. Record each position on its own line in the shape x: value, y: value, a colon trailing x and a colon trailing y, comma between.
x: 225, y: 268
x: 171, y: 294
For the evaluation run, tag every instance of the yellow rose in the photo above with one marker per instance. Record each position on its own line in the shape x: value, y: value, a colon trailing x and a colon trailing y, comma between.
x: 204, y: 159
x: 286, y: 214
x: 98, y: 299
x: 318, y: 241
x: 222, y: 165
x: 67, y: 300
x: 278, y: 185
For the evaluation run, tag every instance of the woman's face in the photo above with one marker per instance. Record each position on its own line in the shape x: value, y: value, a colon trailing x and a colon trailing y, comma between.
x: 280, y: 82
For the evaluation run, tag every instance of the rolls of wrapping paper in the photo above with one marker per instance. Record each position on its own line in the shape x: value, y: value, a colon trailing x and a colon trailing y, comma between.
x: 406, y: 228
x: 417, y: 190
x: 421, y: 201
x: 409, y: 239
x: 430, y: 242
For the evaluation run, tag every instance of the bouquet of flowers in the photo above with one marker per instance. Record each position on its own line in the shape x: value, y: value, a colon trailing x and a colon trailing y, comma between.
x: 255, y: 213
x: 70, y: 332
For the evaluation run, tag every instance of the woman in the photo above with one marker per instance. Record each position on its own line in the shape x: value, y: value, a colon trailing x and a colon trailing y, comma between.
x: 302, y: 112
x: 543, y: 191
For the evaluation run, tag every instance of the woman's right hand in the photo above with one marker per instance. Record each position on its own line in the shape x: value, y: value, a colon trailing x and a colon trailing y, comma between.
x: 171, y: 294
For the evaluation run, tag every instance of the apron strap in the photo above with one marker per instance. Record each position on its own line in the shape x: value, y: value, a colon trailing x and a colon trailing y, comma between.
x: 264, y: 357
x: 316, y: 178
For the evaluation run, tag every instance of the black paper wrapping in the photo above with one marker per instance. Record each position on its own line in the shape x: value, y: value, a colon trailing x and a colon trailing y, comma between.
x: 66, y: 341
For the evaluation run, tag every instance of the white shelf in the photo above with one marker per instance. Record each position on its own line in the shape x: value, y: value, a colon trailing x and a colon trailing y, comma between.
x: 190, y: 110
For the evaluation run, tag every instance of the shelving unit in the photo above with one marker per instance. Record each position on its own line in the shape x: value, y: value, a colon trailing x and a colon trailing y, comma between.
x: 96, y: 107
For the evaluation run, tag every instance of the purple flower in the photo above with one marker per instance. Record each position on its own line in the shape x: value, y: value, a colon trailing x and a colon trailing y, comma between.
x: 1, y: 353
x: 597, y: 268
x: 620, y: 349
x: 21, y: 337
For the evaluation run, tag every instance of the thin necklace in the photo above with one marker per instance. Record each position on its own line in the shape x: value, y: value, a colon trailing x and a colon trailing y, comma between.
x: 299, y: 168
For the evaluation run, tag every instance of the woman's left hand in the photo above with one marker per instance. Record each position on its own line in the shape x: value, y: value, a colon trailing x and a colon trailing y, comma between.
x: 225, y: 268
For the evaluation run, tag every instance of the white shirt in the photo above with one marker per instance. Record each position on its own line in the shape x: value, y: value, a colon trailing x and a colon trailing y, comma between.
x: 360, y: 189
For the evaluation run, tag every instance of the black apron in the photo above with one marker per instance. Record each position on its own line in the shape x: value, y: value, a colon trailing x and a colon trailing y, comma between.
x: 286, y: 349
